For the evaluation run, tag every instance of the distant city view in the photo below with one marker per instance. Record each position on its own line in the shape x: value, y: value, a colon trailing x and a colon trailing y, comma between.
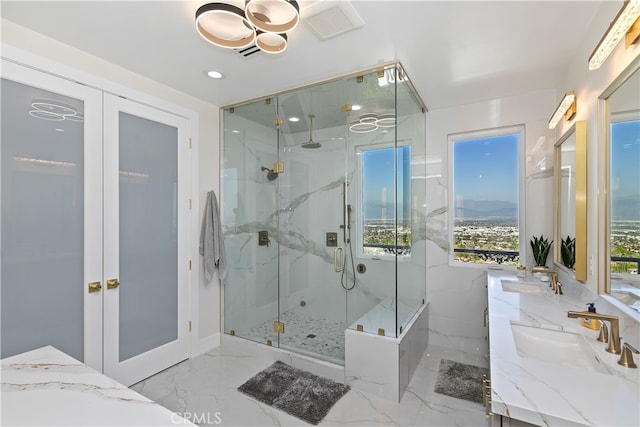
x: 379, y: 237
x: 485, y: 235
x: 502, y: 235
x: 625, y: 243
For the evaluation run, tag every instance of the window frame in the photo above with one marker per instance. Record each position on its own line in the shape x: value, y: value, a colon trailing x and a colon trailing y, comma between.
x: 518, y: 130
x: 358, y: 237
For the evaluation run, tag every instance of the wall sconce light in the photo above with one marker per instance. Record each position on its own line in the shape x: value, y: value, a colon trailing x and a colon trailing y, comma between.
x: 263, y: 22
x: 566, y: 109
x: 621, y: 25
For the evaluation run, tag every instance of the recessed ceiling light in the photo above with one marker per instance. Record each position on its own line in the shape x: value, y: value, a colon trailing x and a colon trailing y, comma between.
x: 59, y: 130
x: 214, y: 74
x: 356, y: 107
x: 294, y: 119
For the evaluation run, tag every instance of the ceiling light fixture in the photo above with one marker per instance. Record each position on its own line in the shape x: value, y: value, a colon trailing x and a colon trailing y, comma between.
x: 566, y: 109
x: 370, y: 122
x: 628, y: 15
x: 215, y: 74
x: 54, y: 110
x: 263, y: 22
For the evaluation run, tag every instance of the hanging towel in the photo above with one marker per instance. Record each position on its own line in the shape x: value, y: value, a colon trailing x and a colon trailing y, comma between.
x: 212, y: 240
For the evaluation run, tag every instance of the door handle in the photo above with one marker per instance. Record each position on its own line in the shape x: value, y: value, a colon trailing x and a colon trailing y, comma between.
x: 94, y: 287
x: 338, y: 259
x: 112, y: 283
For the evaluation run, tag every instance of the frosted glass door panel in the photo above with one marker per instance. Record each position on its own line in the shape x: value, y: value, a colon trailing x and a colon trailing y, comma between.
x: 146, y: 229
x: 148, y: 235
x: 46, y: 260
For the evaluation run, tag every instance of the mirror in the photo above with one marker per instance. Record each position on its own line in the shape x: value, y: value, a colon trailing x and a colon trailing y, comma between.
x: 570, y: 175
x: 623, y: 187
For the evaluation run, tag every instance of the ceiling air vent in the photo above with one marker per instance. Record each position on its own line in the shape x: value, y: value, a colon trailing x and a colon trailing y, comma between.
x: 329, y: 19
x: 248, y: 51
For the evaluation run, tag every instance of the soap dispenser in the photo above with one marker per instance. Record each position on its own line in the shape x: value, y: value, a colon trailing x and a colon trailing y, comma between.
x: 590, y: 323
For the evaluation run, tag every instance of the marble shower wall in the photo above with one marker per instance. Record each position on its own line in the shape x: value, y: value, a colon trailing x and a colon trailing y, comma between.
x: 298, y: 209
x: 458, y: 295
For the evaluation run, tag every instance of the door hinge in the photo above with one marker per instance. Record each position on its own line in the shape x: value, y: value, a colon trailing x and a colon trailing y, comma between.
x: 278, y: 327
x: 189, y: 144
x: 189, y: 265
x: 189, y: 325
x: 189, y: 204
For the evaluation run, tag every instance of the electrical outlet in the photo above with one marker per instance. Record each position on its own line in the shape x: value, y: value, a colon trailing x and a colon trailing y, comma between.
x: 591, y: 269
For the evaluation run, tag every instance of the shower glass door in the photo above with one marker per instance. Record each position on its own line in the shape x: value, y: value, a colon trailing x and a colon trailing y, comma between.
x: 312, y: 213
x: 250, y: 220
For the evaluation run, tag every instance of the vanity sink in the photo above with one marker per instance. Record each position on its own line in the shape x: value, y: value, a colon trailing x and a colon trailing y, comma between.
x: 521, y: 287
x: 561, y: 348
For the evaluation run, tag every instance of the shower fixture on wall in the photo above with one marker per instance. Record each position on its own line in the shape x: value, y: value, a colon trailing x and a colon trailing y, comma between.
x: 271, y: 174
x: 311, y: 143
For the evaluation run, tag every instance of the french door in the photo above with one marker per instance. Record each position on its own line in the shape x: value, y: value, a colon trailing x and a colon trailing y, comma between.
x: 145, y: 240
x: 94, y: 240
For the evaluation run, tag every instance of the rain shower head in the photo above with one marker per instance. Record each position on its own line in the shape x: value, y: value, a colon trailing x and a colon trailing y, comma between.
x: 311, y: 143
x: 271, y: 175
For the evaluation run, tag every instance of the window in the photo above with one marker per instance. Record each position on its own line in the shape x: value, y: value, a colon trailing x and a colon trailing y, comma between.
x: 485, y: 193
x: 624, y: 196
x: 379, y: 178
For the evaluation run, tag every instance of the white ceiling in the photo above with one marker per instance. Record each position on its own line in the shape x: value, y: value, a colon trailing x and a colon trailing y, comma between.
x: 454, y: 52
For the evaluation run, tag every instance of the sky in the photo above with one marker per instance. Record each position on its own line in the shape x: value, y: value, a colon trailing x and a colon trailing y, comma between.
x: 486, y: 168
x: 625, y: 158
x: 378, y: 177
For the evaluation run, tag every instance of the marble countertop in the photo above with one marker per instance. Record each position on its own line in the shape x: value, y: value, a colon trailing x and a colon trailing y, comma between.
x: 47, y: 387
x: 555, y: 392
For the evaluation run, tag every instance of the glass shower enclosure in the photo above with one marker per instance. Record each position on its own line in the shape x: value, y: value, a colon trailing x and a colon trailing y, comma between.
x: 323, y: 211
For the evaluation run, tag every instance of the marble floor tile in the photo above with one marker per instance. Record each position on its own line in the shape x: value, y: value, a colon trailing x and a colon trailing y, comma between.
x: 204, y: 389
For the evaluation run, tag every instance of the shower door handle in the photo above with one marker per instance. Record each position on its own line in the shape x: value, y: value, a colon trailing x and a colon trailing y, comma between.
x: 338, y: 259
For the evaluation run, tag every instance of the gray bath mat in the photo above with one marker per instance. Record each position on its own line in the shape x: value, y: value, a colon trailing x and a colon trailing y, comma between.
x: 460, y: 380
x: 294, y: 391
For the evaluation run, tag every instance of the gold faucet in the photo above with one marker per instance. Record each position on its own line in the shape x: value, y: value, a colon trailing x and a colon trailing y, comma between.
x: 553, y: 283
x: 614, y: 338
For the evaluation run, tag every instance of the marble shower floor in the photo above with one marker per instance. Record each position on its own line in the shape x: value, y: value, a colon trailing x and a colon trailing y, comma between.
x: 317, y: 335
x: 205, y: 387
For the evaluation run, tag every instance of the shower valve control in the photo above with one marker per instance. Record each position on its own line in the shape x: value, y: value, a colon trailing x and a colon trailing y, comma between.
x: 332, y: 239
x: 263, y: 238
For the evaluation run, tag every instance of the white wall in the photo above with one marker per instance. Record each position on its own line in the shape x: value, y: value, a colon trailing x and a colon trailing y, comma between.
x: 588, y: 86
x: 457, y: 295
x: 30, y: 48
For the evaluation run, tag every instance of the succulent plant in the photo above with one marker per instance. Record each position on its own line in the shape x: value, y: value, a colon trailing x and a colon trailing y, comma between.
x: 540, y: 247
x: 568, y: 251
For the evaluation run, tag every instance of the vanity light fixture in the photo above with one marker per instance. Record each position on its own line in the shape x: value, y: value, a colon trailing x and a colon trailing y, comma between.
x: 566, y: 109
x: 624, y: 20
x: 261, y: 22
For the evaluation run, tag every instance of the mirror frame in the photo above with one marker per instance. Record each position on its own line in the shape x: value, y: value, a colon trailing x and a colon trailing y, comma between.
x: 579, y: 128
